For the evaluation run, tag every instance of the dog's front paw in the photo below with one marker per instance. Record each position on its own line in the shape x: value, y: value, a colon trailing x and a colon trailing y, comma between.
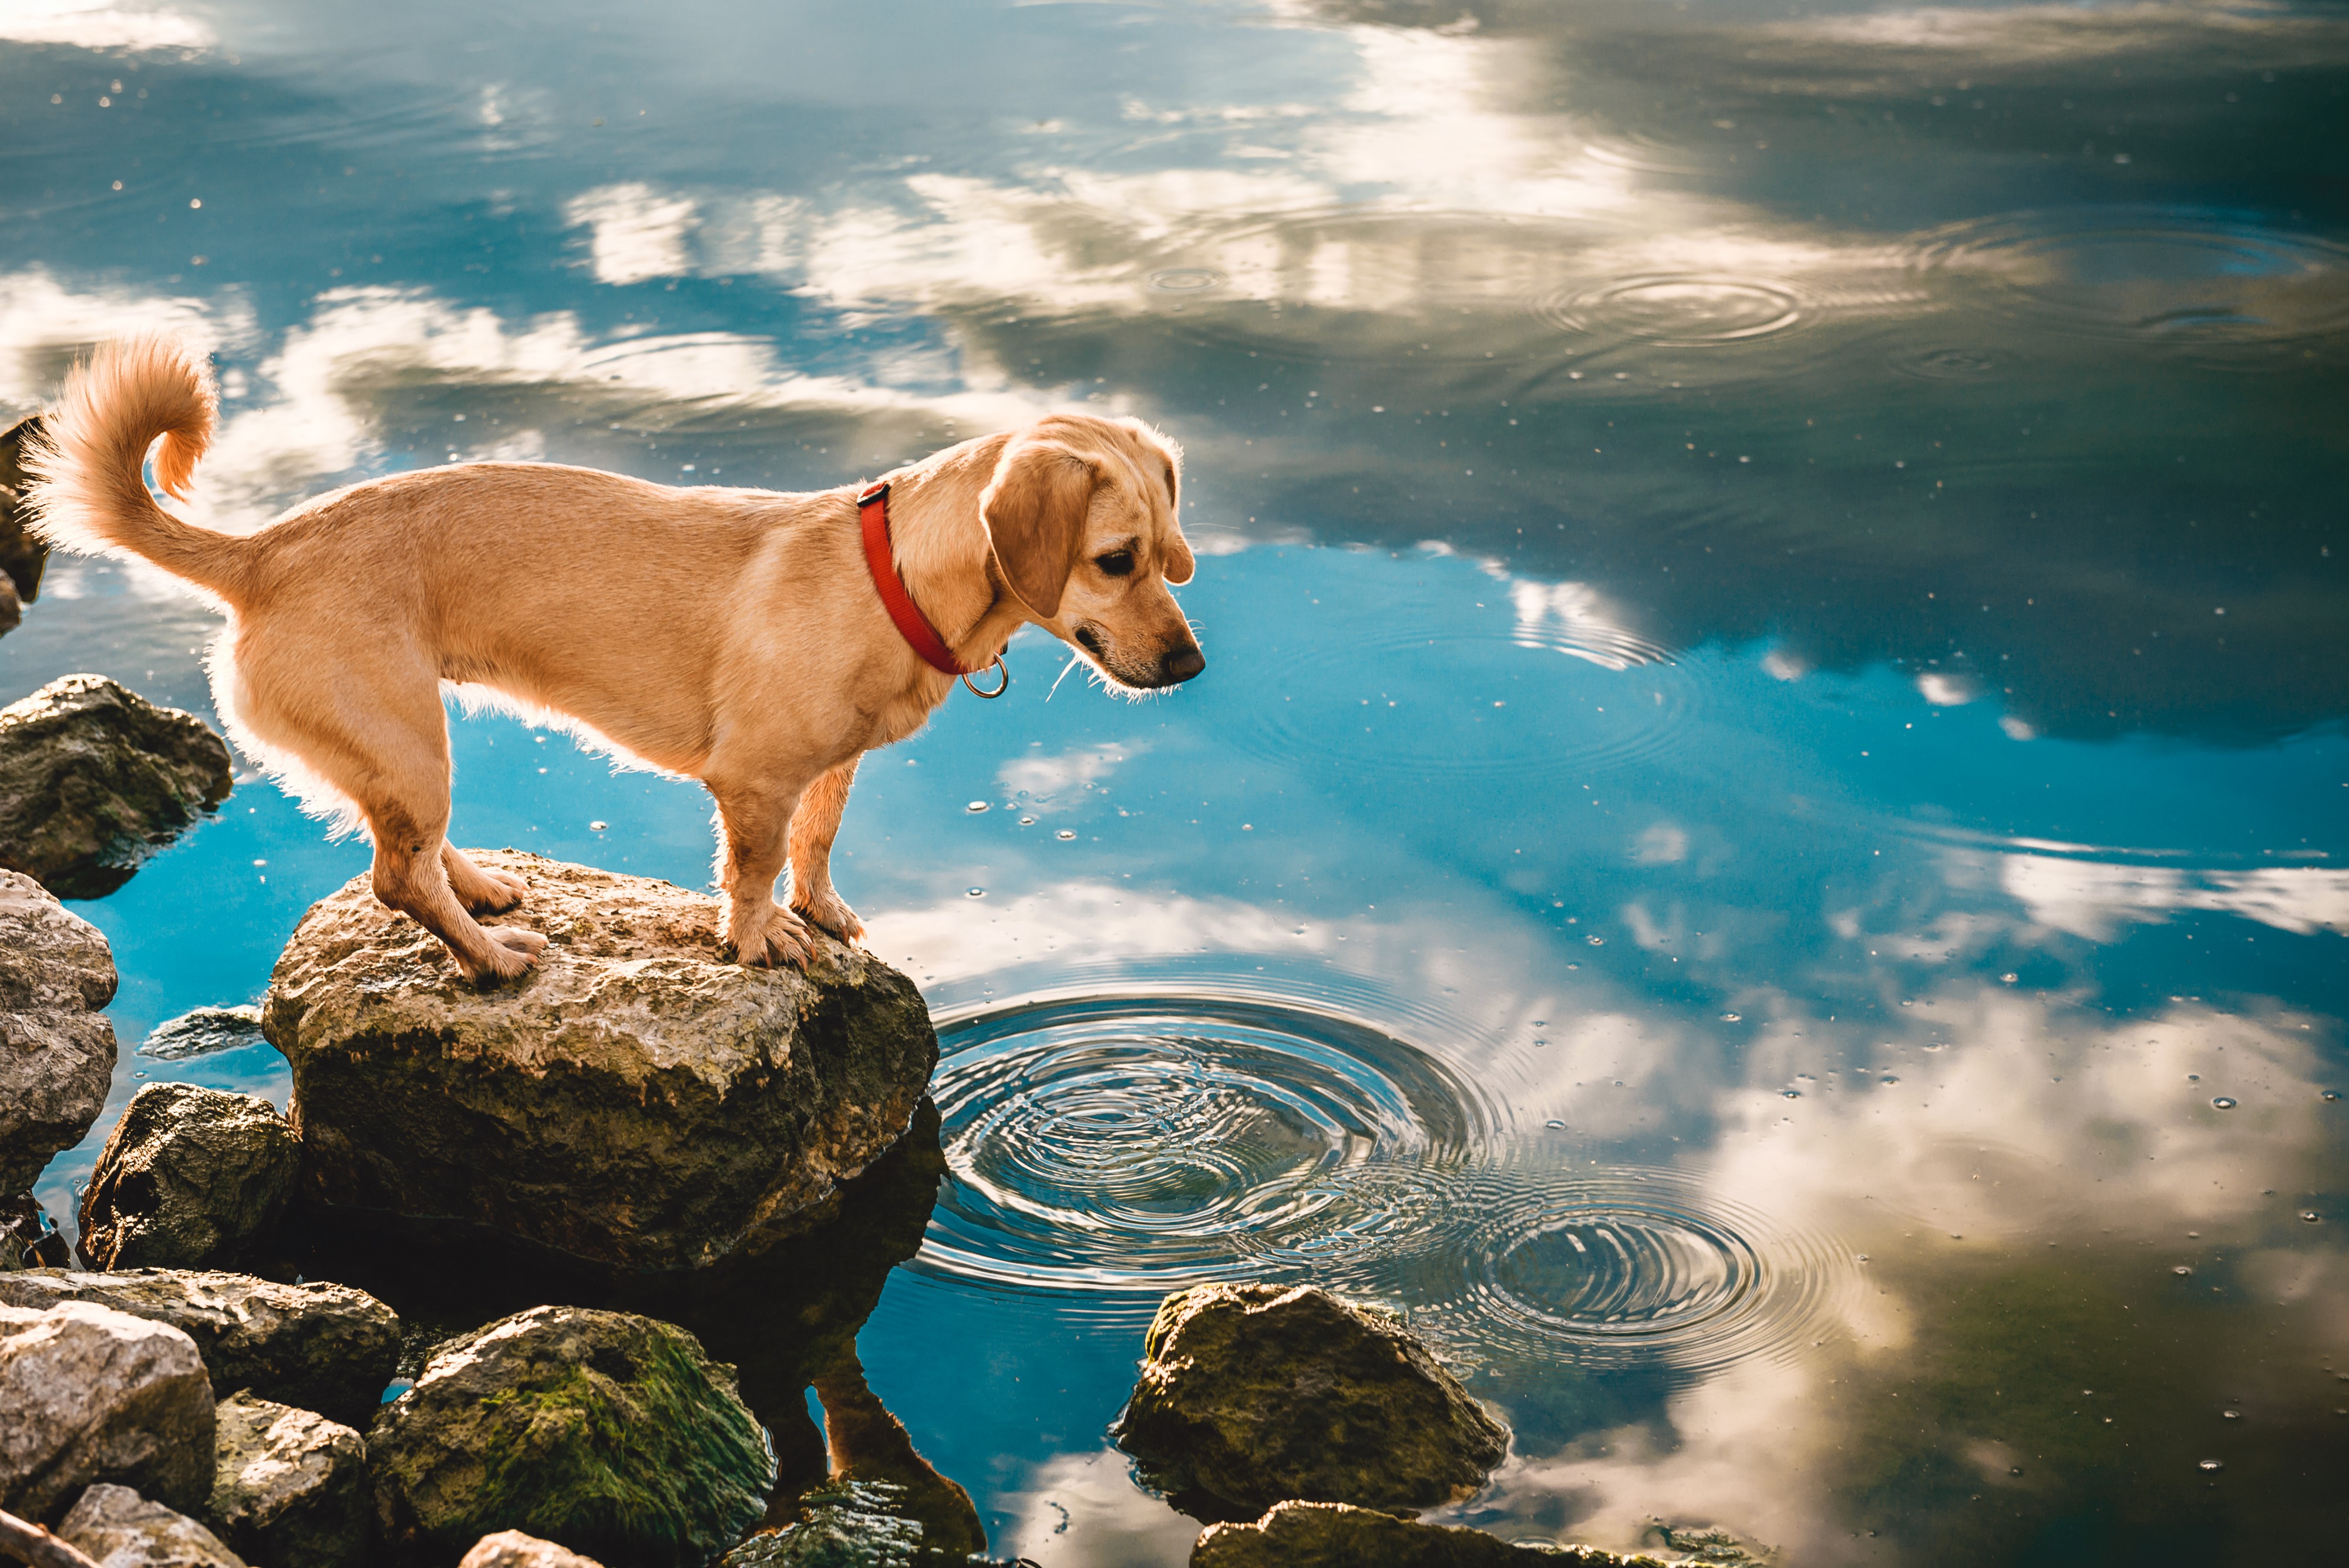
x: 510, y: 952
x: 763, y: 939
x: 831, y: 914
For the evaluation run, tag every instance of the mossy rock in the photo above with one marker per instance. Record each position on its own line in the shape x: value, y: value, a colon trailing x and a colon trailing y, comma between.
x: 1259, y: 1394
x: 611, y: 1434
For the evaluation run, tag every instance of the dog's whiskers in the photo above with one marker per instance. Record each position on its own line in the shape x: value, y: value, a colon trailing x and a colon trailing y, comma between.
x: 1074, y: 660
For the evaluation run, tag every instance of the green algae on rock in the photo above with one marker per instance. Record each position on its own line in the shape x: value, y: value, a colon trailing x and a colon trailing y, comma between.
x: 635, y: 1100
x: 610, y: 1434
x: 1334, y: 1536
x: 1259, y: 1394
x: 94, y: 778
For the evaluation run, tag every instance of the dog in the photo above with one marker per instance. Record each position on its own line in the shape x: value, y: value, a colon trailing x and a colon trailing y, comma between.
x: 736, y: 637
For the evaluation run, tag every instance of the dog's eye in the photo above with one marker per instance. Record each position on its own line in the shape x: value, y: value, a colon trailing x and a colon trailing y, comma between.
x: 1117, y: 563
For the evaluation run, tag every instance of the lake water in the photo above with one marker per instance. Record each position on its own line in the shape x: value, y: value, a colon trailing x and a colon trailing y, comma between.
x: 1762, y: 848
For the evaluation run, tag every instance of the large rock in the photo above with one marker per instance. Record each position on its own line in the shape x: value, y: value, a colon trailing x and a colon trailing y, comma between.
x: 123, y: 1529
x: 315, y: 1346
x: 190, y: 1177
x: 1333, y: 1535
x: 1257, y: 1393
x: 22, y: 556
x: 27, y: 1238
x: 512, y: 1549
x: 289, y: 1486
x: 89, y: 1395
x: 94, y: 778
x: 57, y: 1048
x: 635, y: 1100
x: 609, y: 1433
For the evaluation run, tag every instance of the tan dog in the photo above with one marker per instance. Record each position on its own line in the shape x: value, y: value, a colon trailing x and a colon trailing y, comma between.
x: 732, y: 636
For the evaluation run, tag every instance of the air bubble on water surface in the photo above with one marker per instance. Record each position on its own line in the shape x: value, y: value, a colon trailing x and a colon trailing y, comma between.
x: 2224, y: 1103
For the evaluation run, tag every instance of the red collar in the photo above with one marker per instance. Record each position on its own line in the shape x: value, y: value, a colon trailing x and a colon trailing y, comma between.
x: 872, y: 507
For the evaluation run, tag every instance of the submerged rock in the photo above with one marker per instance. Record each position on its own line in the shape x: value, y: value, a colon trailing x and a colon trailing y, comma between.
x: 634, y: 1100
x: 94, y: 778
x: 90, y: 1395
x: 1256, y: 1394
x: 22, y: 556
x: 202, y: 1032
x: 512, y: 1549
x: 1334, y: 1536
x: 123, y: 1529
x: 315, y: 1346
x: 609, y: 1433
x: 27, y: 1238
x: 190, y: 1177
x: 56, y: 1047
x: 289, y: 1486
x: 846, y: 1524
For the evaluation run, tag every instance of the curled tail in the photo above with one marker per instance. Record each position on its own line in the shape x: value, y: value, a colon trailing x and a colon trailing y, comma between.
x: 90, y: 491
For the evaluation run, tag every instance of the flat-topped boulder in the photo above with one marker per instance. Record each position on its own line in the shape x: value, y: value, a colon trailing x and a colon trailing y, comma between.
x: 635, y: 1099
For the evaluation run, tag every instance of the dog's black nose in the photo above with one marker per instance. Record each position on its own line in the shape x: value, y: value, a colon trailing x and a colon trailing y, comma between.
x: 1180, y: 664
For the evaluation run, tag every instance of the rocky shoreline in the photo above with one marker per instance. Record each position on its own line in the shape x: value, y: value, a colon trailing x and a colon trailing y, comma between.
x: 544, y: 1275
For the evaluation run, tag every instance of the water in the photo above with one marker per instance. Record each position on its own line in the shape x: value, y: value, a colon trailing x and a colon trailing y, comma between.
x: 1762, y: 846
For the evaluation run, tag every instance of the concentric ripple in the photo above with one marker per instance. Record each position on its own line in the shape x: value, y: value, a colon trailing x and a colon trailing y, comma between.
x: 1623, y: 1267
x: 1139, y: 1145
x: 2148, y: 273
x: 1678, y: 310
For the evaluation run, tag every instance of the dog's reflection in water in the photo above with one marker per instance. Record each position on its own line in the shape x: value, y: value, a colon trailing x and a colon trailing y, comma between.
x: 788, y: 1320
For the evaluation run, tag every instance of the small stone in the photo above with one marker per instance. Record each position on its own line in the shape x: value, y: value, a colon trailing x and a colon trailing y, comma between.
x: 27, y: 1238
x: 203, y: 1031
x: 56, y: 1047
x: 512, y: 1549
x: 845, y: 1524
x: 1334, y: 1536
x: 91, y: 1395
x: 94, y: 778
x: 22, y: 556
x: 315, y: 1346
x: 1257, y: 1393
x: 123, y: 1530
x: 289, y: 1486
x: 610, y: 1433
x: 189, y: 1179
x: 637, y: 1100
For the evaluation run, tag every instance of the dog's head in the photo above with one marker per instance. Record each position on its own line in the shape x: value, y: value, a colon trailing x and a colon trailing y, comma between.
x: 1080, y: 516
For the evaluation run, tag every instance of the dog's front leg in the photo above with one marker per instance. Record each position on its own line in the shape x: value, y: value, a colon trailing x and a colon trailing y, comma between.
x: 814, y: 826
x: 752, y: 823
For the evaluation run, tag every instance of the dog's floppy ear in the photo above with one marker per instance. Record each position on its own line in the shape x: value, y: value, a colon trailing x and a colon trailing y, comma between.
x: 1034, y: 510
x: 1179, y: 562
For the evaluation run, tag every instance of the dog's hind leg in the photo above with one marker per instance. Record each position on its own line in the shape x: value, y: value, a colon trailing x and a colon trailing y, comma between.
x: 753, y: 821
x: 480, y: 889
x: 814, y: 826
x: 373, y: 731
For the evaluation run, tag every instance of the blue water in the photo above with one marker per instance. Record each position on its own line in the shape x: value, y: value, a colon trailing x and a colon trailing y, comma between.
x: 1774, y: 585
